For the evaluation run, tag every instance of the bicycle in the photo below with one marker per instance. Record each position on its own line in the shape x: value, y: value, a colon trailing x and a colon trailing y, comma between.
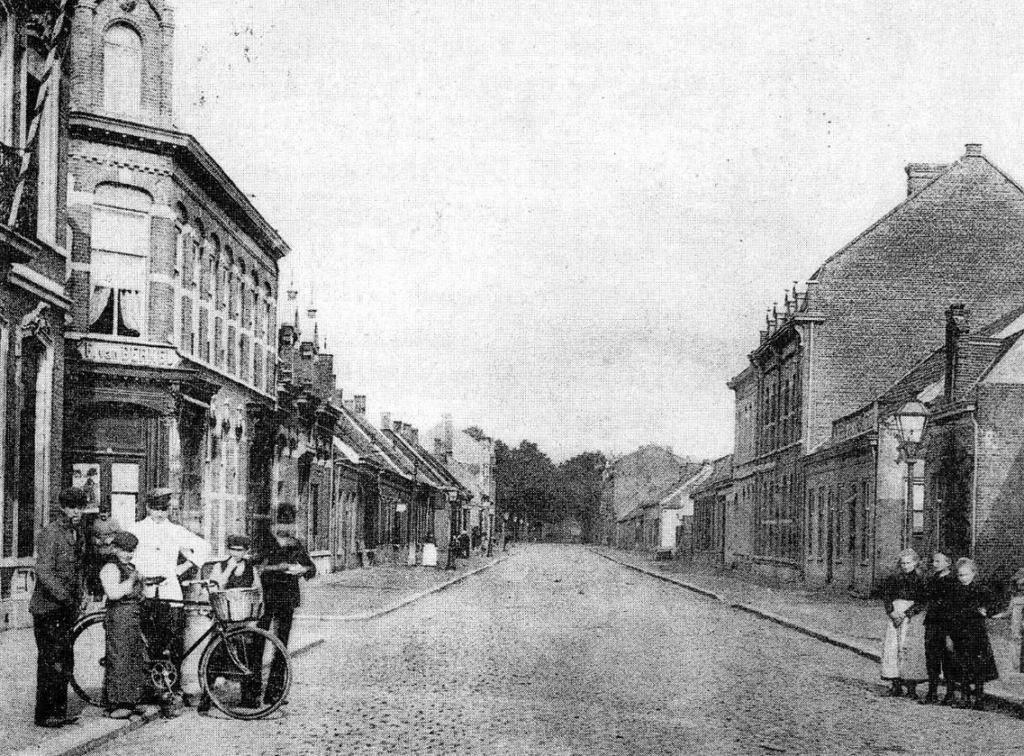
x: 234, y: 667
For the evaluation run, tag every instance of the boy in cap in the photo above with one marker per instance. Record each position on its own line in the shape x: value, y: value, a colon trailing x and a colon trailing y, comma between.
x: 54, y: 606
x: 236, y: 571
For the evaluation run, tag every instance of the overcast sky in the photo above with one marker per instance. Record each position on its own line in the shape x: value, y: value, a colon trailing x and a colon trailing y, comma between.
x: 563, y: 221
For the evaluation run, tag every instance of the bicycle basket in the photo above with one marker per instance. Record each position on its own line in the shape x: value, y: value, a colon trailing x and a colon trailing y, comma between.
x: 237, y: 604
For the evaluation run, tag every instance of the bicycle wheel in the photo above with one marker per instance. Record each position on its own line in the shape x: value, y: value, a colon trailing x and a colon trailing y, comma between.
x: 89, y: 639
x: 246, y: 672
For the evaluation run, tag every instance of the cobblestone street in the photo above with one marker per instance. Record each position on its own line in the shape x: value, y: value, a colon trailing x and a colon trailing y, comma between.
x: 558, y: 651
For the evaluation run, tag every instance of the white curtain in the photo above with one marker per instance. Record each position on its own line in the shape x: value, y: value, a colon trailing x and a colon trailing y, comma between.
x: 131, y: 310
x: 98, y: 303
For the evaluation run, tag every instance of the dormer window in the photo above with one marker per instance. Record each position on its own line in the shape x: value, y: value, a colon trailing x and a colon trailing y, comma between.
x: 122, y: 71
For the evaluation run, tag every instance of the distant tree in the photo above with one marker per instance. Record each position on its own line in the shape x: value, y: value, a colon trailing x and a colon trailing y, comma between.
x: 476, y: 433
x: 580, y: 481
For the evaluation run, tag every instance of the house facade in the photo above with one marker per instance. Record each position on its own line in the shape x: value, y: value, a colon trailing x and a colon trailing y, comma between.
x: 34, y: 267
x: 172, y: 347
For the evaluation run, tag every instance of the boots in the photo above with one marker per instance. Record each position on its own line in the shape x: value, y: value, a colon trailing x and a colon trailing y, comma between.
x: 950, y: 698
x: 912, y: 691
x: 896, y: 691
x: 932, y: 696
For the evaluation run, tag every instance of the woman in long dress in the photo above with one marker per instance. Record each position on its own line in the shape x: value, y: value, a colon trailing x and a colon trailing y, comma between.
x: 972, y: 604
x: 903, y: 660
x: 124, y: 683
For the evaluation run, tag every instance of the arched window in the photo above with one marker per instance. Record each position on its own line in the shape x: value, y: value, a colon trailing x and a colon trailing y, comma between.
x: 122, y: 71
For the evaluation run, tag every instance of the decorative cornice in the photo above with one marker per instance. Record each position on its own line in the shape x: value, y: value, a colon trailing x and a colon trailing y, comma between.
x: 187, y: 150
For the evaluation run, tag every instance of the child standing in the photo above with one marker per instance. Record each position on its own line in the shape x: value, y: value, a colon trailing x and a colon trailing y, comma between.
x: 236, y: 571
x: 970, y: 606
x: 124, y: 684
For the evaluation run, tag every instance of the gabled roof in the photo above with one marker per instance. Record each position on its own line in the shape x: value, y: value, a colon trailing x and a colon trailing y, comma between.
x: 368, y: 443
x: 675, y: 497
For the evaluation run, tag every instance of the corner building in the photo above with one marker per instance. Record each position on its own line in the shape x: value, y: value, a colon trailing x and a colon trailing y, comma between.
x: 171, y: 369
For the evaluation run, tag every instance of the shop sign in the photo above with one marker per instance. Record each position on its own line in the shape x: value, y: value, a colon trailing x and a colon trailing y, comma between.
x: 119, y: 353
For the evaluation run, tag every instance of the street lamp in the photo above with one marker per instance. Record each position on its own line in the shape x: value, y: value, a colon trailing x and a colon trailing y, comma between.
x: 910, y: 424
x: 453, y: 497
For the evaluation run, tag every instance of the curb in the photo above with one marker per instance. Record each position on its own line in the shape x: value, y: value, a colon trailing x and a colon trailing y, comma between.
x: 667, y: 578
x: 364, y: 616
x: 1000, y: 699
x: 132, y: 725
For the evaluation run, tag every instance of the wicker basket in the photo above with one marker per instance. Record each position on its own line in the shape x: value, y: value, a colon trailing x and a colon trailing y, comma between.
x: 237, y: 604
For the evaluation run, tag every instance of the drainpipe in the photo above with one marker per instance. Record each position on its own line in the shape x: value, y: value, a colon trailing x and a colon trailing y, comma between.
x: 874, y: 512
x: 974, y: 485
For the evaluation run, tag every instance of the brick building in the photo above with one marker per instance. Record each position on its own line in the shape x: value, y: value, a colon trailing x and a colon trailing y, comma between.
x: 713, y: 502
x: 868, y: 315
x: 636, y: 479
x: 470, y: 459
x: 171, y: 375
x: 34, y: 265
x: 304, y: 469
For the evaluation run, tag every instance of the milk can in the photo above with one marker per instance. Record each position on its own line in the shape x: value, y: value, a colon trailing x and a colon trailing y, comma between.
x: 429, y: 555
x: 198, y: 619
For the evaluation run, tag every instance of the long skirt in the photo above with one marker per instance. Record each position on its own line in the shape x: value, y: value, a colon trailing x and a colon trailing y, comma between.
x: 903, y: 655
x: 973, y: 652
x: 124, y: 684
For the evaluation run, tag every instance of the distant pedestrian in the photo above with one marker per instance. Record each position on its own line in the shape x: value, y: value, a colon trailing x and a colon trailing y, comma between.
x: 125, y: 678
x: 464, y: 544
x: 971, y: 605
x: 903, y: 662
x: 55, y: 603
x: 939, y: 590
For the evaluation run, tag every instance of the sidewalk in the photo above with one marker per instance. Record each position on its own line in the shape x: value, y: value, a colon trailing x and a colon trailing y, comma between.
x: 839, y: 619
x: 347, y: 596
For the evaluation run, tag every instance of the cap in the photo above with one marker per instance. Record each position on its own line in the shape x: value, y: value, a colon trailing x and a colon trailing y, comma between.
x: 160, y: 498
x: 124, y: 540
x: 73, y: 498
x: 237, y: 542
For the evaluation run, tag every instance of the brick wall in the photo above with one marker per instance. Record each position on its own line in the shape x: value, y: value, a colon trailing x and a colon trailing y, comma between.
x: 999, y: 519
x: 883, y: 295
x: 153, y: 21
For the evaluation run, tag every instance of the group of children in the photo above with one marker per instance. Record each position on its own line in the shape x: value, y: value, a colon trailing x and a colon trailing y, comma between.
x: 936, y: 631
x: 126, y: 677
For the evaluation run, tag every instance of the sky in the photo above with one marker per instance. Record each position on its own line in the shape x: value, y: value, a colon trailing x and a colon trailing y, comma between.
x: 563, y: 221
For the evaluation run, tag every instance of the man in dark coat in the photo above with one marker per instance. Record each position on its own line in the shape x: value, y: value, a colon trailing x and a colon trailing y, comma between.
x: 55, y: 605
x: 284, y: 561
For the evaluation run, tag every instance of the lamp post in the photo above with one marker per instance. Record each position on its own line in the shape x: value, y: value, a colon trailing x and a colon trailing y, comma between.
x: 910, y: 423
x: 453, y: 497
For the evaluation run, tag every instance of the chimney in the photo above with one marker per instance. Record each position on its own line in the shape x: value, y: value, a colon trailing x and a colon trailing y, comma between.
x: 920, y: 175
x: 349, y: 404
x: 359, y: 404
x: 385, y: 421
x: 956, y: 326
x: 972, y: 150
x: 414, y: 434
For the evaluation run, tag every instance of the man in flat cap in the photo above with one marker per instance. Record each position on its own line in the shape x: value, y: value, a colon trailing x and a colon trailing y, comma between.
x: 55, y: 603
x: 165, y: 550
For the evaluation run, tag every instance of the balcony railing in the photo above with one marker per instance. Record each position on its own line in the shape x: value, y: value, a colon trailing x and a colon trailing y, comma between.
x: 28, y: 211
